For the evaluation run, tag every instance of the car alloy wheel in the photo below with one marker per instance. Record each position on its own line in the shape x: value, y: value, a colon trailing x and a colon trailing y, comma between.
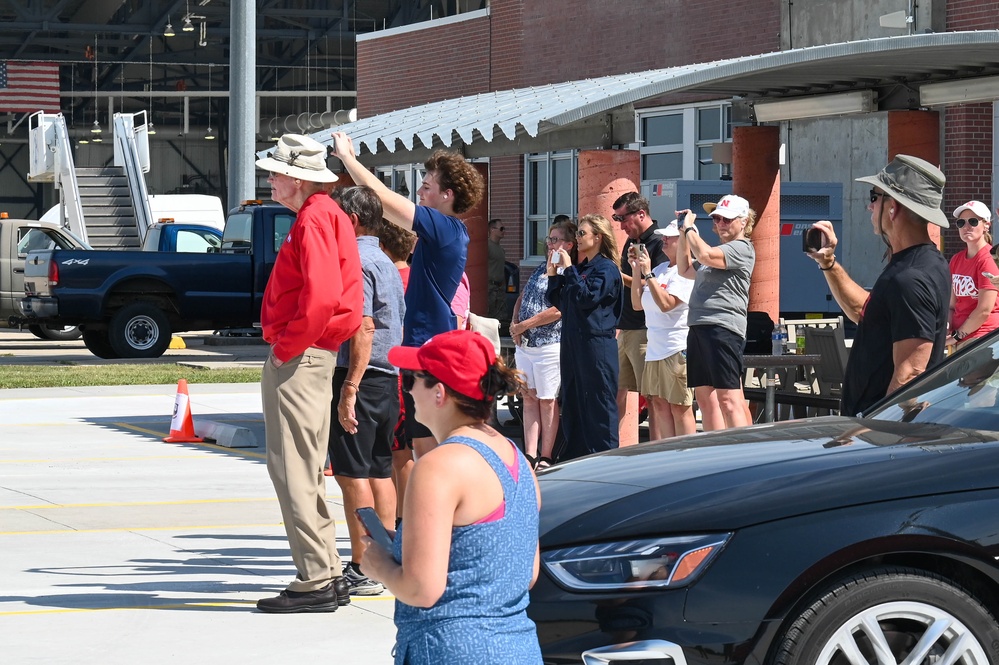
x: 892, y: 615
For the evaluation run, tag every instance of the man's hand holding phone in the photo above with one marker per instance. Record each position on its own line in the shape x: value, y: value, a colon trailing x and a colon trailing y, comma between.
x: 819, y: 242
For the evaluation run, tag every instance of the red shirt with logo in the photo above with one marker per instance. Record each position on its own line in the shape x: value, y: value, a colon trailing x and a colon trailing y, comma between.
x: 314, y: 296
x: 967, y: 281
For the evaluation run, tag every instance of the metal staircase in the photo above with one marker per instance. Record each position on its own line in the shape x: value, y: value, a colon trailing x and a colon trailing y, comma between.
x: 107, y: 206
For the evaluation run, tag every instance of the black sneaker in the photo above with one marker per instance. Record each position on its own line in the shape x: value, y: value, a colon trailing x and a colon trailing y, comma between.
x: 360, y: 584
x: 289, y: 602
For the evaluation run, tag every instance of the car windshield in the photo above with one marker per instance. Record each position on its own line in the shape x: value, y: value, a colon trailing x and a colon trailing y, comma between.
x: 963, y: 392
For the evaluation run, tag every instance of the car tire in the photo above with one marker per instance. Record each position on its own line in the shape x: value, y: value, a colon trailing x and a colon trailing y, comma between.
x: 60, y: 334
x: 97, y: 343
x: 139, y: 330
x: 879, y: 616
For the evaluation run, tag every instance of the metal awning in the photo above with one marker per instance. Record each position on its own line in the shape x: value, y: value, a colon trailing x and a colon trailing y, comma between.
x: 599, y: 112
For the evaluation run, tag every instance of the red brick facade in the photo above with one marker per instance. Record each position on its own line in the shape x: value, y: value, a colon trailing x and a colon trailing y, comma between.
x: 968, y: 131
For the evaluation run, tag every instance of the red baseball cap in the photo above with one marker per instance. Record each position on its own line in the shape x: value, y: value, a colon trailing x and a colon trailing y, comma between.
x: 459, y: 359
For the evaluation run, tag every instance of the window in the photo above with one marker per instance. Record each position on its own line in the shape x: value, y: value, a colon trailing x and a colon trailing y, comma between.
x: 550, y: 190
x: 404, y: 180
x: 676, y: 142
x: 34, y: 238
x: 198, y: 242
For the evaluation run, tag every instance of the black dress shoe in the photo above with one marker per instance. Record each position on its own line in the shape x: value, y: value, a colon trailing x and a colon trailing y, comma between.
x: 342, y: 588
x: 289, y: 602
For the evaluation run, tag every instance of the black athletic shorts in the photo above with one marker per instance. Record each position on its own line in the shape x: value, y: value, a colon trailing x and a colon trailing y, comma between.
x: 714, y: 357
x: 367, y: 454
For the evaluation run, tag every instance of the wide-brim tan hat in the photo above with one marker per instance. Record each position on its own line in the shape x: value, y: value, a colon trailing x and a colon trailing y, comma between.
x: 916, y: 184
x: 300, y: 157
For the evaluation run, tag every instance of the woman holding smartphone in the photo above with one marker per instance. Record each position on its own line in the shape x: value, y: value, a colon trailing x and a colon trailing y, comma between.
x: 466, y: 552
x: 974, y: 310
x: 589, y: 296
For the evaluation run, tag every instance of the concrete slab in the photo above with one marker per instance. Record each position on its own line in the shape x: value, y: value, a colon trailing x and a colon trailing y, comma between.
x: 116, y: 547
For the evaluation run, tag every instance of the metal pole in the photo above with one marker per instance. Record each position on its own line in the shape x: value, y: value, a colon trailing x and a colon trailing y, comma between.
x: 242, y: 103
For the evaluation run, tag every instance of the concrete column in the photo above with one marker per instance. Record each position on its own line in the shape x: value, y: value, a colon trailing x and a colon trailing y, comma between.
x: 756, y: 177
x: 477, y: 222
x: 242, y: 103
x: 605, y: 175
x: 916, y: 133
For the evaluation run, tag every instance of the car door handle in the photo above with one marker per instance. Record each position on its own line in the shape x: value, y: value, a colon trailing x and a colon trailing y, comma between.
x: 18, y: 271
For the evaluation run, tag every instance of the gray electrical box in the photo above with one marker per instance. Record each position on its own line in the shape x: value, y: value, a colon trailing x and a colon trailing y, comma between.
x: 803, y: 289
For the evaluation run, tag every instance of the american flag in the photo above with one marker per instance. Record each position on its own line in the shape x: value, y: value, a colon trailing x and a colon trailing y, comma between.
x: 26, y: 87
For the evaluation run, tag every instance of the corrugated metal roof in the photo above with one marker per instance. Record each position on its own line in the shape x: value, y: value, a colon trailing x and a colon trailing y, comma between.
x: 872, y: 63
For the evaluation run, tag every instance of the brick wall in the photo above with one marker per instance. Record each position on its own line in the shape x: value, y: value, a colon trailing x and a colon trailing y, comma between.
x: 968, y: 131
x: 412, y: 68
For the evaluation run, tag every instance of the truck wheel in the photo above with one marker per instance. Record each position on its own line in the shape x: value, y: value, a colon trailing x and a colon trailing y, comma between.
x: 56, y: 334
x: 97, y: 343
x: 139, y: 330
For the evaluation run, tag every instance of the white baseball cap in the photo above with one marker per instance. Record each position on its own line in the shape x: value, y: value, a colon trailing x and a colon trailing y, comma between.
x: 730, y: 207
x: 977, y: 207
x: 671, y: 230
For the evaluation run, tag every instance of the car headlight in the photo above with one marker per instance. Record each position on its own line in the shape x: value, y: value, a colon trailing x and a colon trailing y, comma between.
x: 634, y: 564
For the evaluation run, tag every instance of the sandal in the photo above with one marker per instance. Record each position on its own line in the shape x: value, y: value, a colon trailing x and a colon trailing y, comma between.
x: 544, y: 463
x: 533, y: 461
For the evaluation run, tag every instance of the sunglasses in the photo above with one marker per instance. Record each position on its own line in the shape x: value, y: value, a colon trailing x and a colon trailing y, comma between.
x: 621, y: 218
x: 875, y: 194
x: 409, y: 378
x: 582, y: 234
x: 972, y: 222
x: 718, y: 219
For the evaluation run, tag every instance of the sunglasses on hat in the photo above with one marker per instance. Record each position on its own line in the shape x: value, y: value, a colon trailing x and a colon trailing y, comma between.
x: 972, y: 221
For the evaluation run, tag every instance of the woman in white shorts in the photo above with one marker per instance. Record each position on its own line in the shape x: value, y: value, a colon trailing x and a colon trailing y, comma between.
x: 537, y: 331
x: 663, y: 294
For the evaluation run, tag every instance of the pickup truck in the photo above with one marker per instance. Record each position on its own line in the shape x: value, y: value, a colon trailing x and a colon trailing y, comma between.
x: 128, y: 304
x: 17, y: 238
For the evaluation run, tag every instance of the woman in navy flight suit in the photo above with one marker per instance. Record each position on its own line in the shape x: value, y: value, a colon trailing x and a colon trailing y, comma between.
x: 590, y: 298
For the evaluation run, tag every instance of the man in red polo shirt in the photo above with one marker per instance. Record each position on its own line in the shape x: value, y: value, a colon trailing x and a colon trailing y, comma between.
x: 313, y: 303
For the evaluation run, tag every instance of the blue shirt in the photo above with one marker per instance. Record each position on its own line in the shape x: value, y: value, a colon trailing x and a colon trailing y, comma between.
x: 438, y: 262
x: 383, y: 302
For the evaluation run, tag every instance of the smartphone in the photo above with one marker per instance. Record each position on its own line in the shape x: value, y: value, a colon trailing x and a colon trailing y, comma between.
x: 812, y: 240
x: 555, y: 258
x: 374, y: 527
x: 639, y: 247
x: 988, y: 274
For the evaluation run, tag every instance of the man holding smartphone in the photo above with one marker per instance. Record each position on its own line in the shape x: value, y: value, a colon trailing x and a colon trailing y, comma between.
x: 902, y: 322
x: 631, y: 211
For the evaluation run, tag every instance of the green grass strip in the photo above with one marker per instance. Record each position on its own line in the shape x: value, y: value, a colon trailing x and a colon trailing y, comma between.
x: 69, y: 375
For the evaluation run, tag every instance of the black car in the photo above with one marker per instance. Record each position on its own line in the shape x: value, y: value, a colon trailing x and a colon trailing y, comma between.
x: 829, y: 541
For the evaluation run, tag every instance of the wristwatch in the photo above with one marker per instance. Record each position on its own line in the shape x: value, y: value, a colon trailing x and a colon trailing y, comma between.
x: 958, y: 335
x: 648, y: 275
x: 688, y: 229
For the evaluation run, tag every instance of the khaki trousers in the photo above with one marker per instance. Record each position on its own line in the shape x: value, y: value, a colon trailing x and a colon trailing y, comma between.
x: 296, y: 402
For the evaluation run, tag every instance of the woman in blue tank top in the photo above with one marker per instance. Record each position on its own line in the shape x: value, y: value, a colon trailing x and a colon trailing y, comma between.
x: 466, y: 553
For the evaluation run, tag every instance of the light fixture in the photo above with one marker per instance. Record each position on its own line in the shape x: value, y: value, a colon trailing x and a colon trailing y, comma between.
x: 209, y: 134
x: 168, y: 31
x: 84, y: 140
x: 816, y: 106
x: 188, y: 26
x: 150, y: 128
x: 985, y: 89
x: 96, y: 128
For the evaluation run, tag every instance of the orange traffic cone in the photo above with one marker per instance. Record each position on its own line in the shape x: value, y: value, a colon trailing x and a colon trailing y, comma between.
x: 182, y: 424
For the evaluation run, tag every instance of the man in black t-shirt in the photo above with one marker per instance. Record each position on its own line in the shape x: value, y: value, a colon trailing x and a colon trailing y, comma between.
x: 631, y: 210
x: 902, y: 323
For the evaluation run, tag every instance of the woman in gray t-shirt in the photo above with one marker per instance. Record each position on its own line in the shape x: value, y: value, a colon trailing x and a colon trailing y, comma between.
x: 718, y: 305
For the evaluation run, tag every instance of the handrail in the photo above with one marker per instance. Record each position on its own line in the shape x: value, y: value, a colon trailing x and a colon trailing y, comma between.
x: 63, y: 170
x: 127, y: 156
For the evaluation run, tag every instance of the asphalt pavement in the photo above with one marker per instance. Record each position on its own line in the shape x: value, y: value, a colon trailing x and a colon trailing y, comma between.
x: 116, y: 547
